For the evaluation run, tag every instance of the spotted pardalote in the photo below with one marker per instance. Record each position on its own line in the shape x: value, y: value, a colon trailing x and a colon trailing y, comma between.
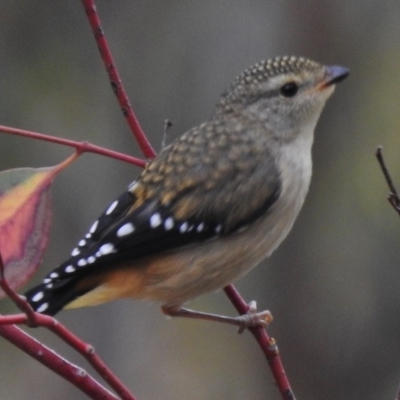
x: 211, y: 205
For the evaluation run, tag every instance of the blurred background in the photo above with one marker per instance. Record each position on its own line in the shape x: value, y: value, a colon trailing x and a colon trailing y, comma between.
x: 333, y: 286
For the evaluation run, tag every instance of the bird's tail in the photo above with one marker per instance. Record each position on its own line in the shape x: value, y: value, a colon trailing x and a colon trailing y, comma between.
x: 50, y: 298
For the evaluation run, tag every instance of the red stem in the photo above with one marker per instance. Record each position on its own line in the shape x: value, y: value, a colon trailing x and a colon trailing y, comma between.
x: 267, y: 344
x: 72, y: 373
x: 85, y: 349
x: 115, y: 79
x: 27, y: 344
x: 35, y: 349
x: 81, y: 147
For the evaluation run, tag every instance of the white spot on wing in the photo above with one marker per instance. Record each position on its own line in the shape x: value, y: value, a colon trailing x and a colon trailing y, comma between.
x: 125, y: 230
x: 69, y: 269
x: 184, y: 227
x: 43, y: 307
x: 155, y: 220
x: 200, y: 227
x: 53, y: 275
x: 112, y: 207
x: 82, y: 243
x: 106, y: 248
x: 38, y: 296
x: 93, y: 227
x: 75, y: 252
x: 169, y: 223
x: 218, y: 229
x: 49, y: 286
x: 82, y: 262
x: 91, y: 259
x: 47, y: 280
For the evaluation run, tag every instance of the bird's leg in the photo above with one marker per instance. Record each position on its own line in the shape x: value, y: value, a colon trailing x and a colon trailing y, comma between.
x: 249, y: 320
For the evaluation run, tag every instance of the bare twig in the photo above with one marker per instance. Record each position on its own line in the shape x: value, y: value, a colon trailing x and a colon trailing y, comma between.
x: 115, y: 79
x: 81, y: 147
x: 393, y: 197
x: 268, y: 346
x: 72, y: 373
x: 24, y: 341
x: 167, y: 127
x: 31, y: 318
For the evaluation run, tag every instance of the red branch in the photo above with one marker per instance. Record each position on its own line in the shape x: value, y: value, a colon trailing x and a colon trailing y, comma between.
x: 115, y: 79
x: 55, y: 362
x: 67, y: 370
x: 77, y: 376
x: 267, y: 344
x: 81, y: 147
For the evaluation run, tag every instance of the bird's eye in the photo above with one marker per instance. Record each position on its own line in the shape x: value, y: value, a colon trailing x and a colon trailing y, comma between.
x: 289, y: 89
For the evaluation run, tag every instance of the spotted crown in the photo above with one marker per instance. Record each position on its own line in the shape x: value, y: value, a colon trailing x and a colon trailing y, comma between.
x: 273, y: 67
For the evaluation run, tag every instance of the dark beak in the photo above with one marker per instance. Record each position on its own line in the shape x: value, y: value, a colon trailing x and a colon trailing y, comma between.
x: 334, y: 74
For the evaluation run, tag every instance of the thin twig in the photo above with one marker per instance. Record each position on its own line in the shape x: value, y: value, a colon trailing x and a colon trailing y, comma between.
x: 18, y: 300
x: 31, y: 318
x: 72, y: 373
x: 115, y: 79
x: 393, y: 197
x: 268, y: 345
x: 81, y: 147
x: 167, y: 127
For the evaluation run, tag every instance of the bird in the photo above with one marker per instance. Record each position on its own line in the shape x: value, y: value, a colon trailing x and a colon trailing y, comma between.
x: 211, y: 205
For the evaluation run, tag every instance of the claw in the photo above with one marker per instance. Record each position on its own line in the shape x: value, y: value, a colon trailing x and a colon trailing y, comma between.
x: 253, y: 318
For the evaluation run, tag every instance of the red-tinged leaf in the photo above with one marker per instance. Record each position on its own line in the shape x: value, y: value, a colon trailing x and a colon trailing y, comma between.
x: 25, y: 219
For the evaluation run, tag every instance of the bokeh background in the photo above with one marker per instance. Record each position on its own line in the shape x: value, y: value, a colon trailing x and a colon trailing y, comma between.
x: 333, y: 286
